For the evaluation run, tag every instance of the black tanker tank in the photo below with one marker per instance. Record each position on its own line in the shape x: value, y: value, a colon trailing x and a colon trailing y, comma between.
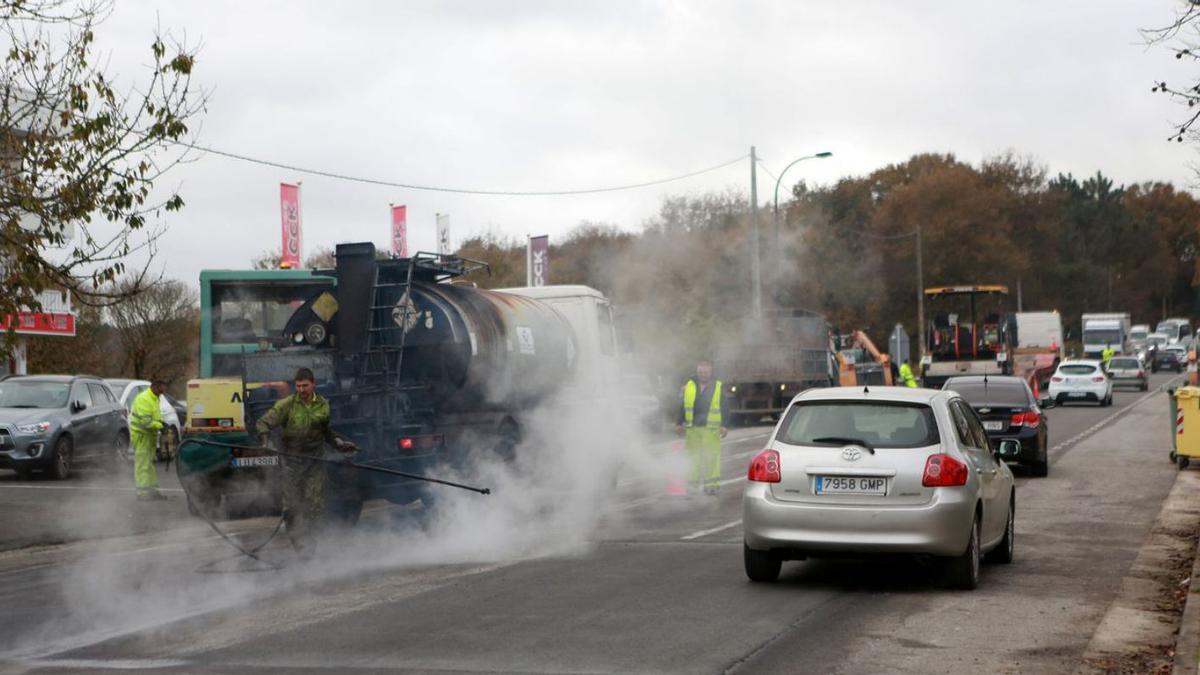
x: 470, y: 349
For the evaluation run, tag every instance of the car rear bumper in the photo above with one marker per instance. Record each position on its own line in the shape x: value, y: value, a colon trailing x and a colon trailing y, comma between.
x: 940, y: 527
x: 1129, y: 381
x: 1078, y: 394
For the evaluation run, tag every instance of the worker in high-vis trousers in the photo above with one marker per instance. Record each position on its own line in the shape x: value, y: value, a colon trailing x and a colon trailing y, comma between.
x: 702, y: 416
x: 145, y: 423
x: 906, y: 375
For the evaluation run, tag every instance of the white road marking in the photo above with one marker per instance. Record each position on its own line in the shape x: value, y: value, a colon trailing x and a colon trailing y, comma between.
x: 711, y: 530
x: 1108, y: 420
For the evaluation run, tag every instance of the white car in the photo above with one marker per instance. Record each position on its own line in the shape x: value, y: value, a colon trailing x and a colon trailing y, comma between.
x: 1078, y: 380
x: 127, y: 390
x: 857, y: 470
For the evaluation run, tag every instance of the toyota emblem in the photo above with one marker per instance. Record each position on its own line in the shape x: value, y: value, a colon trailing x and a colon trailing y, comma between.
x: 851, y: 454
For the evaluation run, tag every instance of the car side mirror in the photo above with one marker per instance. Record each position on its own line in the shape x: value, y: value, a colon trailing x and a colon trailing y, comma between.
x: 1009, y: 448
x: 77, y: 406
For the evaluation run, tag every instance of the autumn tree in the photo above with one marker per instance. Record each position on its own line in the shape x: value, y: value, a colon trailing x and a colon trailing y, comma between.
x: 82, y: 152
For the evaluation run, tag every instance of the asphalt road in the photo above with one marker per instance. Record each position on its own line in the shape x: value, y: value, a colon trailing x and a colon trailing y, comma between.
x: 654, y: 583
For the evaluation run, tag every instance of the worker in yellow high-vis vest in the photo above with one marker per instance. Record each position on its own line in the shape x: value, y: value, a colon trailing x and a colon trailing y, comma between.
x: 145, y: 423
x: 702, y: 416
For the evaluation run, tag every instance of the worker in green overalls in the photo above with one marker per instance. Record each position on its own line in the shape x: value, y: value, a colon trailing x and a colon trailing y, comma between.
x: 303, y: 419
x: 702, y: 416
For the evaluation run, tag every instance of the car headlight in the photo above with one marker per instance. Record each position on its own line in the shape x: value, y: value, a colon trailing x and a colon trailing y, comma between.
x: 38, y: 428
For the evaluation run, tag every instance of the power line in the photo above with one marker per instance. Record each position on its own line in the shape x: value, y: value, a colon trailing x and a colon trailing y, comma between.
x: 465, y: 191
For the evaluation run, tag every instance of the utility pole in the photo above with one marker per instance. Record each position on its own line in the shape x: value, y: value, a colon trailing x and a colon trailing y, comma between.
x: 920, y: 299
x: 755, y: 262
x: 1020, y: 305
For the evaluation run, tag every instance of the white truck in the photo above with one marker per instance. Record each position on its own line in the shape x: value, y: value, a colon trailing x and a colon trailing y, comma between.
x: 1109, y: 329
x: 1040, y: 329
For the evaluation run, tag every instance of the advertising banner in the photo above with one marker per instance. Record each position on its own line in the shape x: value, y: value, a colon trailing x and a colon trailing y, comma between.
x: 538, y: 261
x: 400, y: 231
x: 443, y: 233
x: 289, y: 209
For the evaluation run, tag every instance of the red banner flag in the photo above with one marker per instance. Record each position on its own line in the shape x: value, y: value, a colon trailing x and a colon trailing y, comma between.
x: 289, y: 209
x: 400, y: 231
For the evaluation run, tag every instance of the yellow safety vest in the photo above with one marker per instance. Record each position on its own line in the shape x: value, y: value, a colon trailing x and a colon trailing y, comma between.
x: 689, y: 403
x: 145, y: 415
x: 906, y: 375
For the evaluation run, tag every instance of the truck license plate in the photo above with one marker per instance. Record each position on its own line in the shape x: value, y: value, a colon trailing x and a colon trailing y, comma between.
x: 269, y: 460
x: 851, y: 485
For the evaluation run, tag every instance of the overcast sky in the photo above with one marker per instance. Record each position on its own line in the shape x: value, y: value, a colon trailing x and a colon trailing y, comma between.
x: 571, y: 95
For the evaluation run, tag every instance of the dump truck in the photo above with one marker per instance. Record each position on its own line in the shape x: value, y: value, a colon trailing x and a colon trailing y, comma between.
x: 422, y: 374
x: 861, y: 363
x: 772, y: 359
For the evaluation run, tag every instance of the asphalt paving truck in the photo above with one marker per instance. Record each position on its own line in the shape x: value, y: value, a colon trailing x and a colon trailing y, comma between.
x: 421, y: 373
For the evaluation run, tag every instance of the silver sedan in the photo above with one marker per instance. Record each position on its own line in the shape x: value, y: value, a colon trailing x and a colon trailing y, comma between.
x: 852, y: 470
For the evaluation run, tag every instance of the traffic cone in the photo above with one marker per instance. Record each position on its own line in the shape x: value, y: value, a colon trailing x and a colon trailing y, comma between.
x: 677, y: 471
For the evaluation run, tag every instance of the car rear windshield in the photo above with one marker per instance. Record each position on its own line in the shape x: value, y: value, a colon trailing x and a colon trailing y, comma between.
x: 1123, y: 364
x: 880, y: 425
x: 1156, y: 340
x: 1137, y: 335
x: 978, y: 393
x: 33, y: 394
x: 1077, y: 369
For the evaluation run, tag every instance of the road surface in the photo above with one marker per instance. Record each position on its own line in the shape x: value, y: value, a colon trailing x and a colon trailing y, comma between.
x: 92, y: 580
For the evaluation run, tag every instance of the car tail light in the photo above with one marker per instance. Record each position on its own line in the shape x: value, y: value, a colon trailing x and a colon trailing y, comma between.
x: 764, y: 468
x: 1097, y: 378
x: 1056, y: 379
x: 421, y: 442
x: 944, y: 471
x: 1028, y: 419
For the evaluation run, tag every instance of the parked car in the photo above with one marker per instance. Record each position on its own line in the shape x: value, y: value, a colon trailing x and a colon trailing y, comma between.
x: 1009, y: 410
x: 127, y: 390
x: 49, y: 423
x: 857, y: 470
x: 1128, y: 371
x: 1080, y: 380
x: 1170, y: 357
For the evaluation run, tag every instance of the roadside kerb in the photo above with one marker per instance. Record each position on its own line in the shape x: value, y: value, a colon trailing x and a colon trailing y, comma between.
x: 1136, y: 622
x: 1187, y: 645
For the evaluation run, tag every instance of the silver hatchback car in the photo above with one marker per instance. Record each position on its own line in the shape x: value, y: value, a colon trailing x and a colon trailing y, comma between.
x: 852, y: 470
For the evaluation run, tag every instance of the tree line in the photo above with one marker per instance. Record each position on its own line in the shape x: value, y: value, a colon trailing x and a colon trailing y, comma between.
x: 681, y: 282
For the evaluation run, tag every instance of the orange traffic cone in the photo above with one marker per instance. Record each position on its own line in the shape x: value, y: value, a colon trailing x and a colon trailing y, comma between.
x: 677, y: 471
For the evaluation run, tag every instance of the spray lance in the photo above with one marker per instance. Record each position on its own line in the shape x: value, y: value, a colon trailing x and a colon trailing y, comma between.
x: 253, y: 552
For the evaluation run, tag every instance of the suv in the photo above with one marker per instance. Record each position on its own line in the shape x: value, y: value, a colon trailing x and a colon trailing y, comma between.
x: 49, y: 422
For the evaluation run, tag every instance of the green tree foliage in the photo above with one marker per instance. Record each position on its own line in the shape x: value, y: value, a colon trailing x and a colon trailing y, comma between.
x: 80, y: 152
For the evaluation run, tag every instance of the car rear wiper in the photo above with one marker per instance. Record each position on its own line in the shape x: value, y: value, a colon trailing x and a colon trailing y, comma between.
x: 848, y: 441
x: 22, y: 405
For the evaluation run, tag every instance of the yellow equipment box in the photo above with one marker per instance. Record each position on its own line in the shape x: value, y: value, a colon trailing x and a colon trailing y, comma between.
x: 215, y: 404
x: 1187, y: 424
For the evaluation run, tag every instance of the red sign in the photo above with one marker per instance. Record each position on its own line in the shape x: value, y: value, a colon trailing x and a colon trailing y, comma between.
x: 400, y: 231
x: 289, y: 209
x: 40, y: 323
x: 539, y: 260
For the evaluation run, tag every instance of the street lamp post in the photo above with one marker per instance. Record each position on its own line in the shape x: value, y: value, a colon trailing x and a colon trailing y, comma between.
x: 779, y: 180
